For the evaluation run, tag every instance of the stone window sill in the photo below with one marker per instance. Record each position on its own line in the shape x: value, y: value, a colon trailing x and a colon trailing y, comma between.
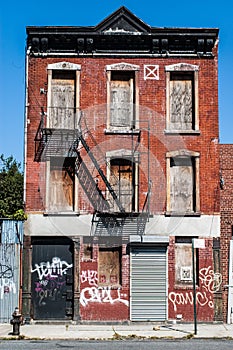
x: 187, y: 214
x: 182, y: 132
x: 122, y: 132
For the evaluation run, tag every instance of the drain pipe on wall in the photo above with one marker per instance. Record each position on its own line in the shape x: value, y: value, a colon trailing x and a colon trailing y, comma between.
x: 25, y: 122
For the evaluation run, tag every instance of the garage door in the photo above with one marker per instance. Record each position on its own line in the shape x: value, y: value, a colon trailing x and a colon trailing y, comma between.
x: 148, y: 284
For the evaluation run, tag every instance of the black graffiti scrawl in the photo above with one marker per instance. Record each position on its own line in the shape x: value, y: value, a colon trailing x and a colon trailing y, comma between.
x: 51, y: 271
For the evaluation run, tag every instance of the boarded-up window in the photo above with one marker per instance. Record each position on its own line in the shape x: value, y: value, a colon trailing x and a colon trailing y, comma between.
x: 183, y: 261
x: 122, y: 182
x: 109, y: 267
x: 61, y: 185
x: 182, y: 184
x: 122, y: 100
x: 62, y: 103
x: 181, y: 101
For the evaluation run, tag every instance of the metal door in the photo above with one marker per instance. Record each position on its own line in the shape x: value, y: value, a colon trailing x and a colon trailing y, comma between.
x: 148, y: 284
x: 52, y: 281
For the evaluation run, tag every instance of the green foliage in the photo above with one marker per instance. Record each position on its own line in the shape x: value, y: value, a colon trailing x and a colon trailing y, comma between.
x: 11, y: 189
x: 19, y: 215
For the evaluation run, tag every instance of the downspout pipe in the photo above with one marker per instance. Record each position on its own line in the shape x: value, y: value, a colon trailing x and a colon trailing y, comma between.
x: 25, y: 122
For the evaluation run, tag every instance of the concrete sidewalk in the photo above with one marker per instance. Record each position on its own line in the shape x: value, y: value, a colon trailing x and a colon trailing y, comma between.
x: 133, y: 330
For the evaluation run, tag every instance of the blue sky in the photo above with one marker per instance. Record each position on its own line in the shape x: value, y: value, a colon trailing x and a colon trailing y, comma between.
x: 16, y: 15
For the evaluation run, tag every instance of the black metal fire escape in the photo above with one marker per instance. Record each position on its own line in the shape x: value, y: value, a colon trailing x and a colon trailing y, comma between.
x: 121, y: 225
x: 90, y: 187
x: 98, y: 168
x: 52, y: 142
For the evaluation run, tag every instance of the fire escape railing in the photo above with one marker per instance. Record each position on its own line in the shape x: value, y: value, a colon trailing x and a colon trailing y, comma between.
x: 125, y: 224
x: 49, y: 140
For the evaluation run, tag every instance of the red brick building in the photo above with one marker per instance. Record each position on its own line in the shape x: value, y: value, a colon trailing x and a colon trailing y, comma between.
x: 226, y: 171
x: 122, y: 172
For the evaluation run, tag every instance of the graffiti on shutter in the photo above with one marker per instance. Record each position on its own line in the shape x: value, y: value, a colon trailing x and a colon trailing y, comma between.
x: 181, y: 185
x: 181, y: 104
x: 121, y: 99
x: 62, y: 102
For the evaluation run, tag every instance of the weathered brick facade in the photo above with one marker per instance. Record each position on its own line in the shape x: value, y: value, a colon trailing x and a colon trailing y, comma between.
x: 150, y: 144
x: 226, y: 168
x: 152, y: 96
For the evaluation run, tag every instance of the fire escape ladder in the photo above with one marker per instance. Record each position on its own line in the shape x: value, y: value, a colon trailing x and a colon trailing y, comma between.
x: 141, y: 223
x: 40, y: 138
x: 98, y: 168
x: 90, y: 187
x: 143, y: 218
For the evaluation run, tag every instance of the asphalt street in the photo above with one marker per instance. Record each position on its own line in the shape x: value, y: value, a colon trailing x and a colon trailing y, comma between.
x: 191, y: 344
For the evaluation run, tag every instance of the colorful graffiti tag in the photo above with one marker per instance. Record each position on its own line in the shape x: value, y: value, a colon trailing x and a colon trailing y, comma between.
x: 50, y: 284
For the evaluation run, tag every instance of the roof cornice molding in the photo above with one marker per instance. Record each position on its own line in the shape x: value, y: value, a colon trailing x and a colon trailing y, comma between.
x: 119, y: 33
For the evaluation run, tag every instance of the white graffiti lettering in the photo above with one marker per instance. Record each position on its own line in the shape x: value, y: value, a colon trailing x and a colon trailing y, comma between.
x: 210, y: 283
x: 101, y: 295
x: 54, y: 269
x: 6, y: 286
x: 187, y: 298
x: 89, y: 276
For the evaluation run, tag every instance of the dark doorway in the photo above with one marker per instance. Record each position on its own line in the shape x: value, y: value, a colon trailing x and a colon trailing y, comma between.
x: 52, y: 279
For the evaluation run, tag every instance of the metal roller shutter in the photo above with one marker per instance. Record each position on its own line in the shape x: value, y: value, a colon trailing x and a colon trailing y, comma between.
x: 148, y: 284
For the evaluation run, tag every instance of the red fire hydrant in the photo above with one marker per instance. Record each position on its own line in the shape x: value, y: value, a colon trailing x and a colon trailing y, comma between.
x: 16, y: 321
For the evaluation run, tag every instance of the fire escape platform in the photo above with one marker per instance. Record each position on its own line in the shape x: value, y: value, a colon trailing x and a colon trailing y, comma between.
x: 108, y: 220
x: 120, y: 224
x: 56, y: 143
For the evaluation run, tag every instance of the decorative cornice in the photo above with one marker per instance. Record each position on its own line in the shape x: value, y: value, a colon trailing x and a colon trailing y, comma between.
x: 181, y: 67
x: 123, y: 66
x: 64, y: 66
x: 122, y: 33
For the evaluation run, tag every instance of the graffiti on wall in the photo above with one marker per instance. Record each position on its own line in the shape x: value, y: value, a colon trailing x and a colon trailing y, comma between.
x: 210, y: 283
x: 211, y: 280
x: 95, y: 294
x: 89, y: 276
x: 51, y: 283
x: 8, y: 265
x: 7, y: 284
